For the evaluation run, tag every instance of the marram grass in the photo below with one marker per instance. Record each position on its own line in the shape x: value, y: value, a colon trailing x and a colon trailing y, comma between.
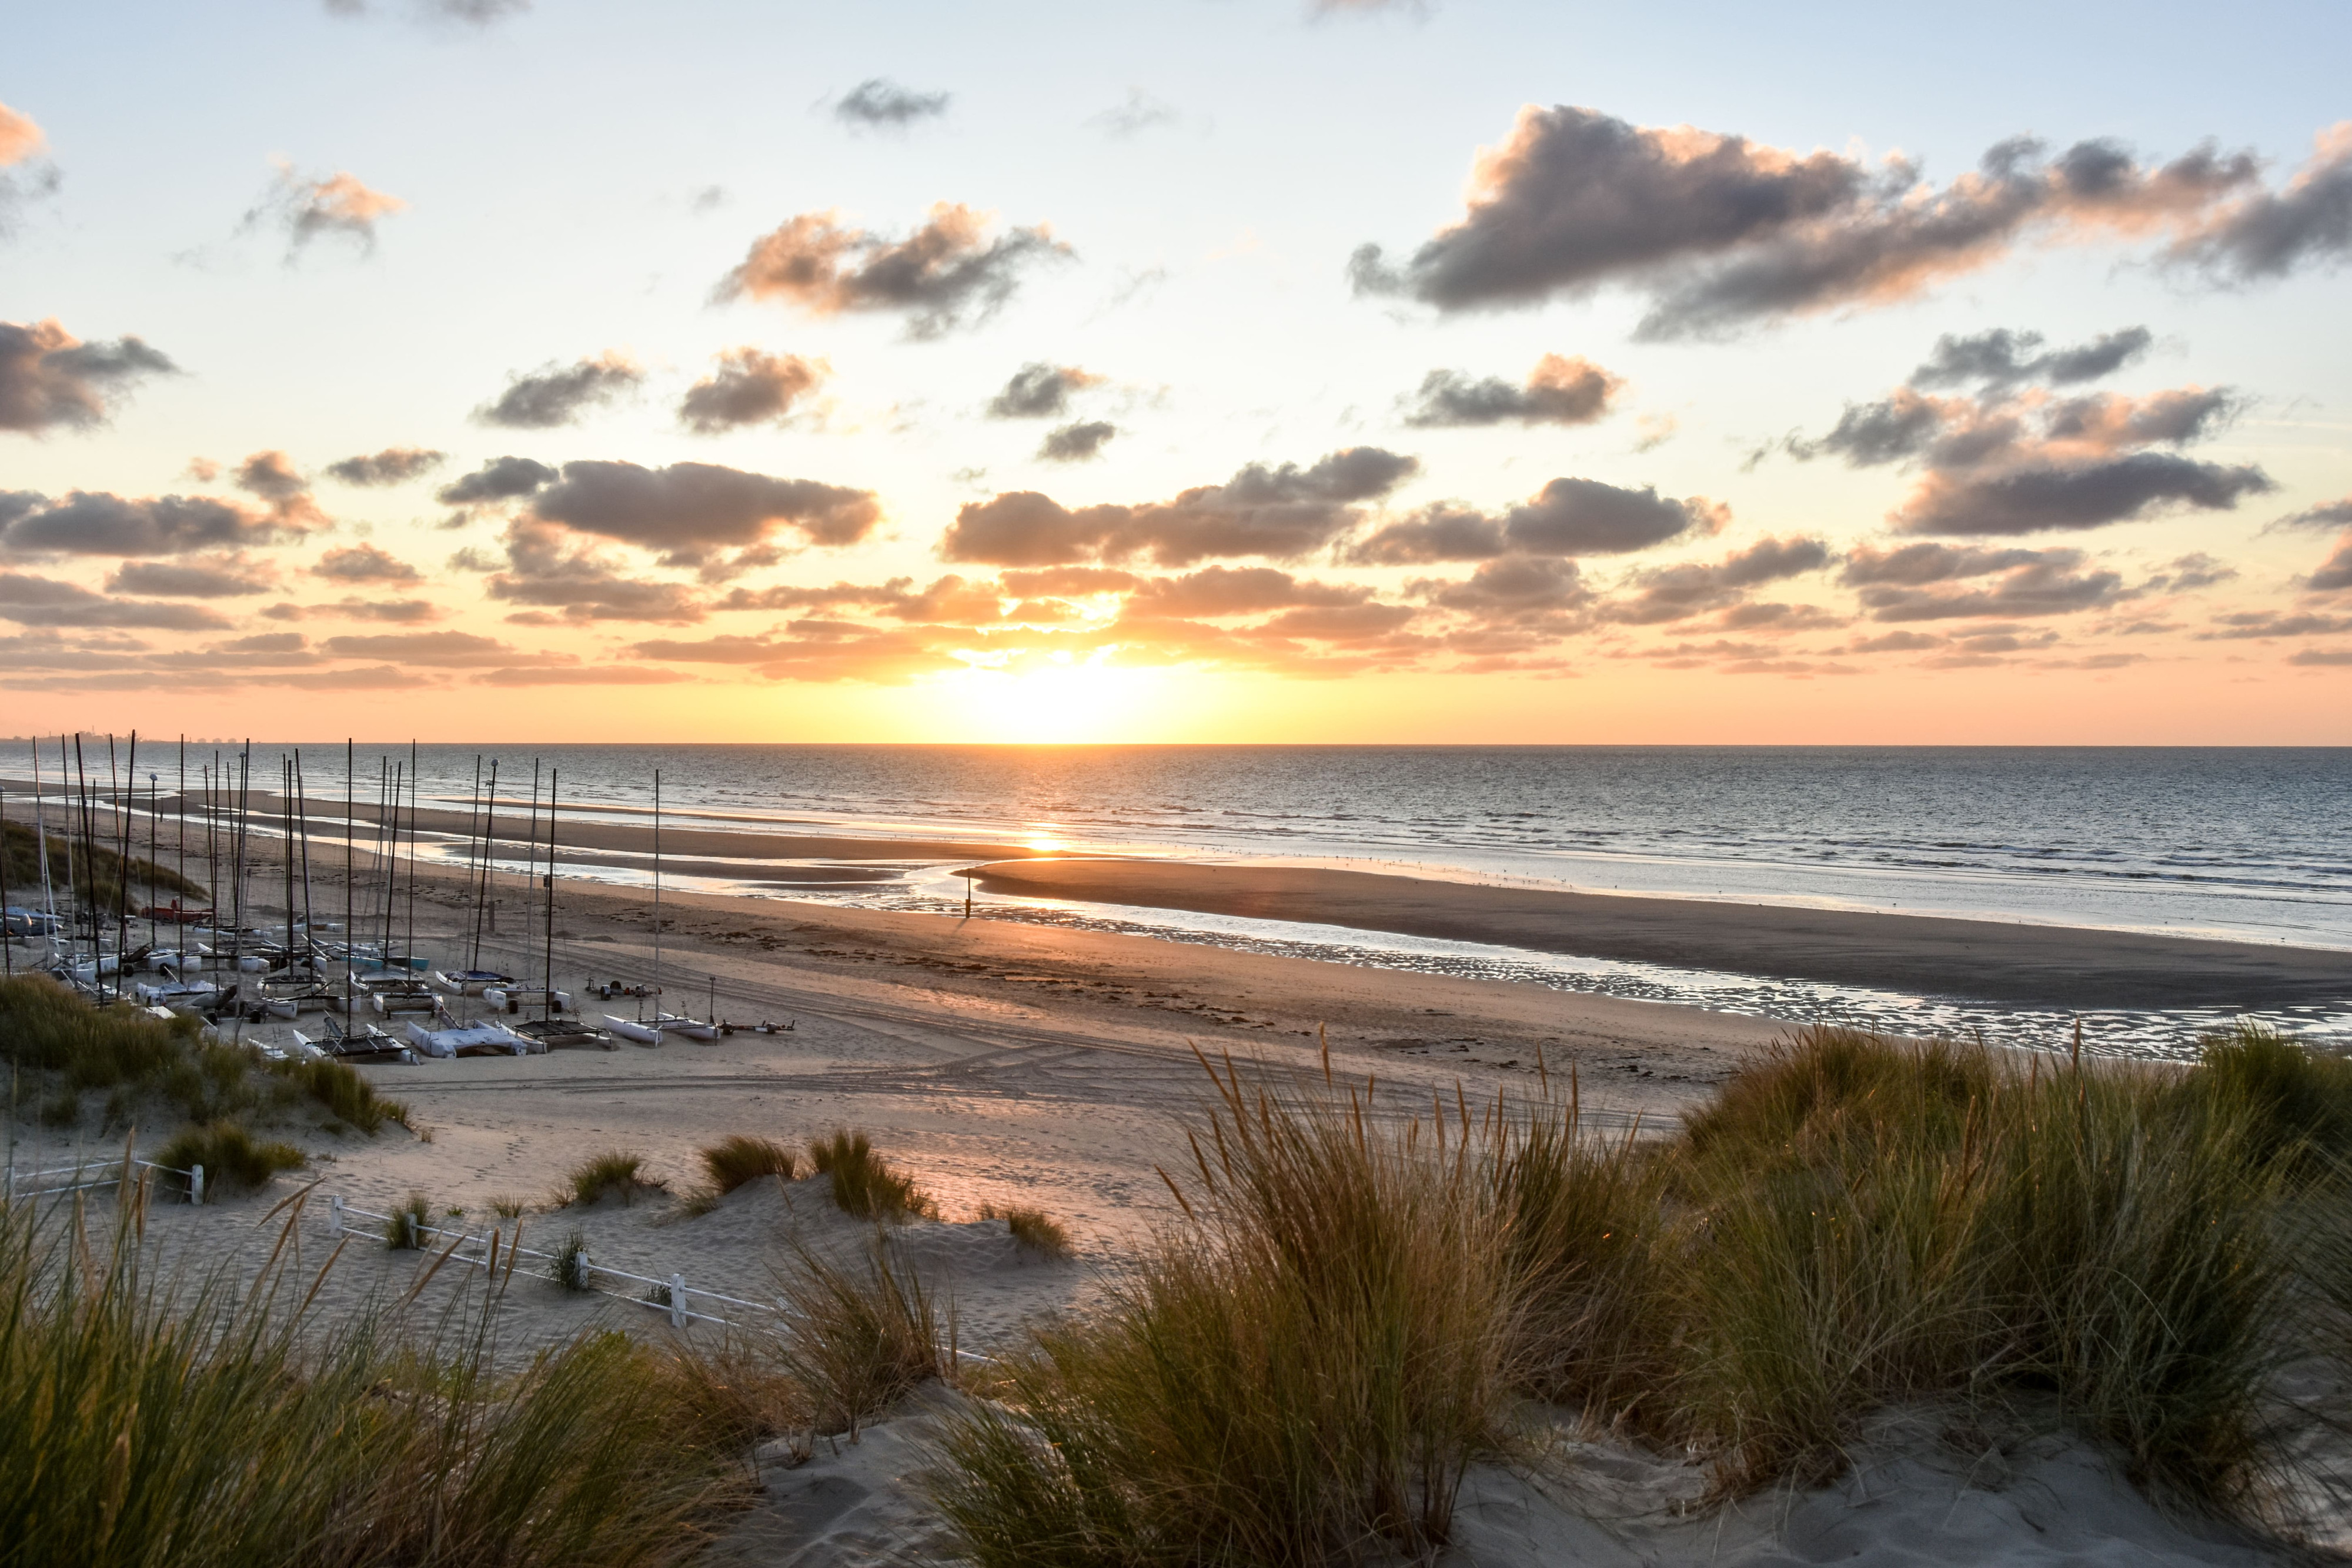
x: 222, y: 1426
x: 1300, y: 1371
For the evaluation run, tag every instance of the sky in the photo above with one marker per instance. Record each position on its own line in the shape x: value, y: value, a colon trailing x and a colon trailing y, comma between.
x: 1206, y: 370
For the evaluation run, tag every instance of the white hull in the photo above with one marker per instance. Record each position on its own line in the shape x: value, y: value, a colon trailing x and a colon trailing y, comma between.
x: 693, y: 1028
x: 642, y: 1034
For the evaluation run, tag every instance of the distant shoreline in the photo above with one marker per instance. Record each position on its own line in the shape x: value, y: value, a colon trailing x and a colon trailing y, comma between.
x: 1993, y: 961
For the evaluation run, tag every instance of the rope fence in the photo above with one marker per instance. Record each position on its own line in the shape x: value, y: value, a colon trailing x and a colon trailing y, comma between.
x: 573, y: 1270
x: 83, y: 1176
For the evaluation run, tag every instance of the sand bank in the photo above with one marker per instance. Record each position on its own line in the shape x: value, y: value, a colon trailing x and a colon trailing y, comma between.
x: 2040, y: 965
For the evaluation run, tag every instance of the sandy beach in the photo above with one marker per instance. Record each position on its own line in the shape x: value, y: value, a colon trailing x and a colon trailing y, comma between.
x: 1005, y: 1061
x: 2033, y: 964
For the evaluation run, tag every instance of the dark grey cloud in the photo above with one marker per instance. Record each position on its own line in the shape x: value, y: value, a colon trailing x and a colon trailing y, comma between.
x: 690, y: 512
x: 1557, y: 391
x: 306, y: 208
x: 749, y: 387
x: 1278, y: 513
x: 1076, y: 443
x: 2007, y: 461
x: 392, y: 465
x: 190, y: 580
x: 436, y: 650
x: 1722, y: 231
x: 500, y: 479
x: 1566, y: 517
x: 878, y: 103
x: 44, y: 601
x: 1917, y: 565
x: 1517, y: 588
x: 50, y: 377
x: 364, y: 563
x: 2000, y: 357
x: 558, y: 394
x: 1039, y: 391
x: 2327, y: 517
x: 947, y: 271
x: 1217, y: 591
x: 2268, y: 623
x: 2033, y: 499
x: 1942, y: 582
x: 2335, y: 573
x: 1690, y: 588
x: 272, y: 477
x: 2337, y: 657
x: 90, y: 522
x: 2267, y: 235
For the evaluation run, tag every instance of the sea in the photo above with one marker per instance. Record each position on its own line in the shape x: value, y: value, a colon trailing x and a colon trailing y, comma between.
x: 2252, y: 844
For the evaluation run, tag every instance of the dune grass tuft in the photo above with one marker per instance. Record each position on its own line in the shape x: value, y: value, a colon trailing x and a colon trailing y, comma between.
x: 1033, y: 1227
x: 404, y: 1229
x: 740, y: 1158
x: 1343, y: 1320
x: 857, y: 1339
x: 233, y: 1158
x: 864, y: 1184
x: 225, y: 1426
x: 616, y: 1173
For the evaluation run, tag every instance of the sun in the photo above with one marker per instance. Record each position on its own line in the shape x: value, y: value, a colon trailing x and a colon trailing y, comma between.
x: 1058, y: 699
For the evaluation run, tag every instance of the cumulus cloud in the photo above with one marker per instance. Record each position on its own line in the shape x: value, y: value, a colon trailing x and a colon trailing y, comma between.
x: 49, y: 378
x: 2264, y: 234
x: 749, y: 387
x: 330, y: 205
x: 87, y: 522
x: 948, y: 271
x: 2031, y: 460
x: 2002, y: 358
x: 364, y: 563
x: 500, y: 479
x: 1566, y: 517
x: 547, y: 570
x: 690, y: 512
x: 1675, y: 592
x: 1557, y: 391
x: 225, y: 577
x: 1218, y: 591
x: 1930, y: 581
x: 1280, y: 513
x: 392, y: 465
x: 1039, y: 391
x: 43, y: 601
x: 879, y: 103
x: 1076, y: 443
x: 2327, y: 518
x: 558, y: 394
x: 436, y: 650
x: 2335, y: 573
x: 1722, y: 231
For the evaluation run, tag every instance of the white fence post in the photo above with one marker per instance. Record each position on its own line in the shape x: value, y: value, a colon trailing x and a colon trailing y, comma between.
x: 408, y: 1224
x: 196, y: 1186
x: 334, y: 1214
x: 677, y: 1301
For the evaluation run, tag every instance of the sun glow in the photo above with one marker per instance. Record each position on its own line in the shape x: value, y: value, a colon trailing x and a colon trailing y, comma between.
x: 1058, y: 699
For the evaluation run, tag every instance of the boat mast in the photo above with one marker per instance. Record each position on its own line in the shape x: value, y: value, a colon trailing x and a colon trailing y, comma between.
x: 350, y: 758
x: 41, y: 839
x: 547, y: 996
x: 657, y: 943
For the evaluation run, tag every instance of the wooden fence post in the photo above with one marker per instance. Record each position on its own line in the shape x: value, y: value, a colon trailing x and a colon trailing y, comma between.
x: 677, y: 1301
x: 196, y: 1186
x: 334, y: 1214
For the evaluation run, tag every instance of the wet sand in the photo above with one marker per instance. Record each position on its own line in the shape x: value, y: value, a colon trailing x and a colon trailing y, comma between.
x: 2037, y: 966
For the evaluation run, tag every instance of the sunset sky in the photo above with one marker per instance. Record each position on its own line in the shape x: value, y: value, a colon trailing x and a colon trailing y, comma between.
x: 1213, y: 369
